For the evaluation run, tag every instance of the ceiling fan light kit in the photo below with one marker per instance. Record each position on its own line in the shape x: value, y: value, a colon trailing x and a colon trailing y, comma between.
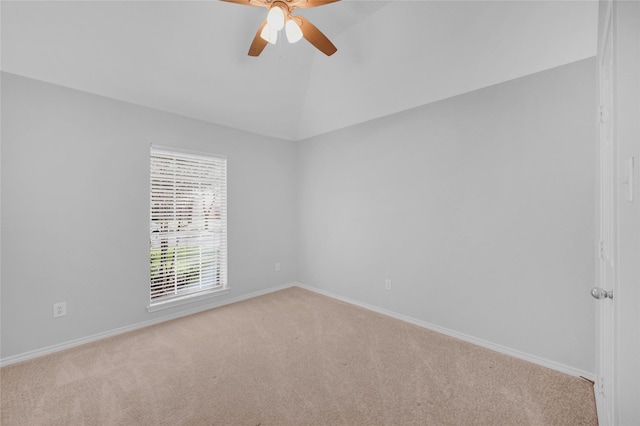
x: 293, y: 31
x: 269, y: 34
x: 275, y: 17
x: 296, y: 27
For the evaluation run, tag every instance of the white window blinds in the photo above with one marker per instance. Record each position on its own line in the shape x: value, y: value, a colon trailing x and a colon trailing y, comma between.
x: 188, y: 236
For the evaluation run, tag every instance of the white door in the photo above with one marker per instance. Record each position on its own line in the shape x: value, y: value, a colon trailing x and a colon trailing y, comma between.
x: 607, y: 234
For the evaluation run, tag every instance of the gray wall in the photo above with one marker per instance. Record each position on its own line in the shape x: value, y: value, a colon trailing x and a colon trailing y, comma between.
x: 75, y: 210
x: 479, y: 208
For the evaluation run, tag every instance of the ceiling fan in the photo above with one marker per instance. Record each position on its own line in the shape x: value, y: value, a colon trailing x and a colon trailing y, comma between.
x: 296, y: 27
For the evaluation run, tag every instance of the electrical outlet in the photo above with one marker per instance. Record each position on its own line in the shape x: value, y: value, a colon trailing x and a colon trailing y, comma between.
x: 59, y: 309
x: 387, y: 283
x: 278, y: 267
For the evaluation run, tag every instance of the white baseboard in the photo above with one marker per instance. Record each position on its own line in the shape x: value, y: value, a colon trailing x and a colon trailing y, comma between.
x: 77, y: 342
x: 604, y: 416
x: 480, y: 342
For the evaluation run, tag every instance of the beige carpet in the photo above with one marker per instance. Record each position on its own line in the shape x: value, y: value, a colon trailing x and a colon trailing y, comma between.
x: 292, y: 357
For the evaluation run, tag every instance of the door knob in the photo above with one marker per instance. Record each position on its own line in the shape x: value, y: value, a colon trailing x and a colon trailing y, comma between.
x: 600, y: 293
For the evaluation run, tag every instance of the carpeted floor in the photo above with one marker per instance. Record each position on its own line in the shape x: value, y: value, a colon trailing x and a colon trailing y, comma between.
x: 292, y: 357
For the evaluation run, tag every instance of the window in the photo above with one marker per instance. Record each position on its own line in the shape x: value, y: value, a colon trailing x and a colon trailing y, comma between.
x: 188, y: 235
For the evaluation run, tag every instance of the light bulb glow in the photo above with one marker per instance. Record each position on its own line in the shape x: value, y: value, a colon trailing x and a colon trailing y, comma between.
x: 269, y: 34
x: 294, y: 33
x: 275, y: 18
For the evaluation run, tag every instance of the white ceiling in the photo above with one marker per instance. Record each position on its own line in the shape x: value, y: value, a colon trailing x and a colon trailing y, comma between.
x: 190, y: 57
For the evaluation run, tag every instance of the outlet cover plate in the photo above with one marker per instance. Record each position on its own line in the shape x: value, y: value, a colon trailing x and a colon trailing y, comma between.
x: 59, y: 309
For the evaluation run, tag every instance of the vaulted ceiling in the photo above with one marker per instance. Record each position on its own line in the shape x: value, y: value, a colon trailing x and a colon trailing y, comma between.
x: 190, y: 57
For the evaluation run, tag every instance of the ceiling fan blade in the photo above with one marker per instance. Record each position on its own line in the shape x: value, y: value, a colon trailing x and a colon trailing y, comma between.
x: 258, y: 43
x: 314, y: 3
x: 315, y: 37
x: 257, y: 3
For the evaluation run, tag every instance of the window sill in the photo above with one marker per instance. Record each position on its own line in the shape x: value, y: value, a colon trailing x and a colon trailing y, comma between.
x: 189, y: 298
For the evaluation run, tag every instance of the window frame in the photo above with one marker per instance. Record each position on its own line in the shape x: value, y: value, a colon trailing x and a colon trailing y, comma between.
x: 171, y: 237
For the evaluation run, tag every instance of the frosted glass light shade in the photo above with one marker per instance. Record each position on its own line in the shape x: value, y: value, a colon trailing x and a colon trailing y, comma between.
x: 269, y: 34
x: 294, y: 33
x: 275, y: 18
